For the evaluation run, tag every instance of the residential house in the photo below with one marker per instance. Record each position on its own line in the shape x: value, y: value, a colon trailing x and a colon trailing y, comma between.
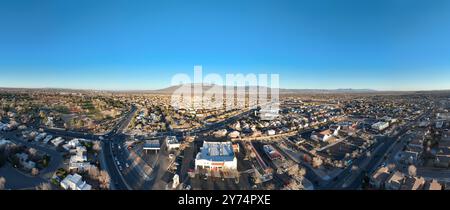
x: 394, y: 181
x: 75, y: 182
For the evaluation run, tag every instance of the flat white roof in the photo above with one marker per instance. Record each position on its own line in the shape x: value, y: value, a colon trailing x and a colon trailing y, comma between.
x: 151, y: 145
x: 217, y: 151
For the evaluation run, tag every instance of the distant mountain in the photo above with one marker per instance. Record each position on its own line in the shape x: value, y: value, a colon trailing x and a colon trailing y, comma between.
x: 206, y: 87
x: 341, y: 90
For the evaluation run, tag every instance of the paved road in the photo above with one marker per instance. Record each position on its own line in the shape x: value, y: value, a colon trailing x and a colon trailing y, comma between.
x: 390, y: 146
x: 115, y: 137
x: 20, y: 180
x: 56, y: 159
x: 17, y: 180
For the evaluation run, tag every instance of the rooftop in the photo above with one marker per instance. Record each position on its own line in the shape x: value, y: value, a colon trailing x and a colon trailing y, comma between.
x: 217, y: 151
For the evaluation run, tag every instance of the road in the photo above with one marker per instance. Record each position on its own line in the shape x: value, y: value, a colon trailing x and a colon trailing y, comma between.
x: 20, y: 180
x: 387, y: 147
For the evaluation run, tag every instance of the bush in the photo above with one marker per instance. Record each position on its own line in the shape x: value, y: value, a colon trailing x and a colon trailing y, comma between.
x: 45, y: 160
x: 54, y: 181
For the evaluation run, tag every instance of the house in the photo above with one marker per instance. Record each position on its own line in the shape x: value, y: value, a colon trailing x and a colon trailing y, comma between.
x: 83, y: 166
x: 271, y: 132
x: 80, y: 155
x: 47, y: 139
x: 23, y: 159
x: 413, y: 183
x: 323, y: 136
x: 418, y: 143
x: 433, y: 185
x: 409, y: 157
x: 234, y: 134
x: 74, y: 143
x: 394, y: 181
x: 442, y: 161
x: 74, y: 182
x: 40, y: 136
x: 57, y: 141
x: 335, y: 129
x: 379, y: 177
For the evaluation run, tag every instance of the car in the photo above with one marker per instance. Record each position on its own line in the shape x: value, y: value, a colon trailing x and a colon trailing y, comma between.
x: 120, y: 168
x: 118, y: 163
x: 126, y: 164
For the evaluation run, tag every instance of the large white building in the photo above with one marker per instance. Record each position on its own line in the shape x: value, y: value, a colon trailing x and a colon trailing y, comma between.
x: 216, y: 155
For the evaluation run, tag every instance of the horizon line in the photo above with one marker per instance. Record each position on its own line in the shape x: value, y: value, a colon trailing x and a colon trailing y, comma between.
x: 161, y: 89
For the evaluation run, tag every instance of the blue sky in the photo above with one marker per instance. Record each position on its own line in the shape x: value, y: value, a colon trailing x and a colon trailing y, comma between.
x: 378, y: 44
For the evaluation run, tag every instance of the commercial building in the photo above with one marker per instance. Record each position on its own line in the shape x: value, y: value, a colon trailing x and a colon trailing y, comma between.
x: 152, y: 145
x: 380, y: 126
x: 172, y: 143
x: 216, y: 155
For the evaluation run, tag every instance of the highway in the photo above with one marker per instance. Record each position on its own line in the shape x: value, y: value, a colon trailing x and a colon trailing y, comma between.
x: 115, y: 137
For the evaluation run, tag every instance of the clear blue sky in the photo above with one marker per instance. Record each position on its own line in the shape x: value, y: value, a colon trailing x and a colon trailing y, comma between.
x: 95, y: 44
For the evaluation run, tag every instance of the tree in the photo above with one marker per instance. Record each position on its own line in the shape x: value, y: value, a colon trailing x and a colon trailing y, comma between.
x: 2, y: 183
x: 97, y: 146
x: 93, y: 172
x: 44, y: 186
x: 412, y: 170
x: 301, y: 172
x: 293, y: 170
x: 33, y: 152
x: 270, y: 186
x: 34, y: 171
x: 294, y: 185
x: 316, y: 162
x: 104, y: 179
